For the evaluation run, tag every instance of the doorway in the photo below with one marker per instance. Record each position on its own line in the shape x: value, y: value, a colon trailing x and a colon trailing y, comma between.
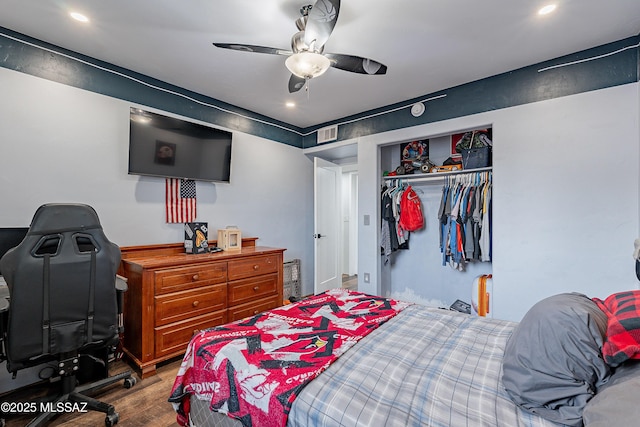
x: 327, y: 234
x: 346, y: 207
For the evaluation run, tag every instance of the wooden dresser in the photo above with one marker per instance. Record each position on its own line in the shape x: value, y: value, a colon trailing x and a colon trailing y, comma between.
x: 173, y: 295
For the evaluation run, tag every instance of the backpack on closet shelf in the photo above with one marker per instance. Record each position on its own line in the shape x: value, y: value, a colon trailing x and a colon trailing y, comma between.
x: 411, y: 217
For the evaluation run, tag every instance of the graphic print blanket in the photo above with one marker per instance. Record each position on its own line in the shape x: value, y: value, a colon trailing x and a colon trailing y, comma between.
x: 253, y: 369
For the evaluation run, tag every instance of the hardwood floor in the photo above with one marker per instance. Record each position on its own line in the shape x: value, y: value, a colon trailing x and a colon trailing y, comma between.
x: 143, y: 405
x: 350, y: 282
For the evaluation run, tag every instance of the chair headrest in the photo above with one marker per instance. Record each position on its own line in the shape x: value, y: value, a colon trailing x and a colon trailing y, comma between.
x: 59, y: 217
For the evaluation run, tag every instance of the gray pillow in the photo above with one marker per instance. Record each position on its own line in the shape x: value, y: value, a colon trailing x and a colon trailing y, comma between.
x: 616, y: 403
x: 553, y: 363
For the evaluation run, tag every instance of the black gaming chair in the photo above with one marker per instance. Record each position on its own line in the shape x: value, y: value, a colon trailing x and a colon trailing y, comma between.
x: 63, y: 301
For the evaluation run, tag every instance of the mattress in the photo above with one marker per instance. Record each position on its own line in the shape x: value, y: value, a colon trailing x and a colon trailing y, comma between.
x: 425, y: 367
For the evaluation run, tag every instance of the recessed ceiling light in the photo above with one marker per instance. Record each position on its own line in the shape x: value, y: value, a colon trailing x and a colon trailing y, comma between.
x: 79, y: 17
x: 290, y: 104
x: 547, y: 9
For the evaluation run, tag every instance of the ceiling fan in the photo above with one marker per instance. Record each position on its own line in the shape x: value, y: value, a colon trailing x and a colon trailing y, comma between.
x: 306, y: 59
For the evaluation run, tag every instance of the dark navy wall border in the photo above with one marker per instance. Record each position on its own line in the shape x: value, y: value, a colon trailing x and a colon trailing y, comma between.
x: 34, y: 57
x: 605, y: 66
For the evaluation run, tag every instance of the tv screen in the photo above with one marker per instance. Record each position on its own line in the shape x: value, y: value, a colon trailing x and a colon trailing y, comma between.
x: 174, y: 148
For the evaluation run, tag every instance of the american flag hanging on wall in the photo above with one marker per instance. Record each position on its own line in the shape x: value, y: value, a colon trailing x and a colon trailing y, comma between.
x: 181, y: 200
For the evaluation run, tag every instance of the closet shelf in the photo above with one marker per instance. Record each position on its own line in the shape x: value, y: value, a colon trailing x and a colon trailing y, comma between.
x: 436, y: 176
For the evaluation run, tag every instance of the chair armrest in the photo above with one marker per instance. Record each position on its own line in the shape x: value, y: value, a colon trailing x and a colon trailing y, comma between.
x: 121, y: 283
x: 121, y: 288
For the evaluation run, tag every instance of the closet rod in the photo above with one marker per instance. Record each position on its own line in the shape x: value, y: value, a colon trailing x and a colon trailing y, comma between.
x: 434, y: 176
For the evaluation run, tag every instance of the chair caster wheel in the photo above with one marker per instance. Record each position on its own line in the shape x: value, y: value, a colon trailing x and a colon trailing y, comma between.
x: 112, y: 419
x: 129, y: 382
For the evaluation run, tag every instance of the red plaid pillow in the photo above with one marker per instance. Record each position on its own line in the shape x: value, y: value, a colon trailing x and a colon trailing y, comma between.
x: 623, y: 327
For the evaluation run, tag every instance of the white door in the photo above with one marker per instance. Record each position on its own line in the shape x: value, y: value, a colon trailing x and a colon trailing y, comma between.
x: 327, y: 225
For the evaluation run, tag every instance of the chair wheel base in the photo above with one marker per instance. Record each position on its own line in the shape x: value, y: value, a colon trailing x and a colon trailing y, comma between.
x: 112, y: 419
x: 129, y: 382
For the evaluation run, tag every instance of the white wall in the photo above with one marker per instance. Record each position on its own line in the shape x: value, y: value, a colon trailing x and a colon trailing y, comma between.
x: 62, y: 144
x: 565, y: 202
x: 579, y: 157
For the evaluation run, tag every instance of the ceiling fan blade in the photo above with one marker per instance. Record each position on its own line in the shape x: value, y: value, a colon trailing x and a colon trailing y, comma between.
x: 356, y: 64
x: 254, y: 48
x: 320, y: 22
x: 296, y: 83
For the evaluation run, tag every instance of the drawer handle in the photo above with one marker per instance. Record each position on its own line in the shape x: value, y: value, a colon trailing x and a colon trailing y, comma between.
x: 256, y: 288
x: 255, y: 267
x: 195, y: 331
x: 256, y: 311
x: 195, y: 277
x: 195, y: 303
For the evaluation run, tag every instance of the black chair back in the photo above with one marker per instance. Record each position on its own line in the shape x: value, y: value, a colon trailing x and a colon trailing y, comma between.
x: 61, y: 280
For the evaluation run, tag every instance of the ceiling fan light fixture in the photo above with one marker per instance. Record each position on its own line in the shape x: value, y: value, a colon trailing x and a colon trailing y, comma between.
x: 307, y: 65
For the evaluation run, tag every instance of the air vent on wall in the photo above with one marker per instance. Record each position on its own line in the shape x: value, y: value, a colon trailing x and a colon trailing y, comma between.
x: 326, y: 134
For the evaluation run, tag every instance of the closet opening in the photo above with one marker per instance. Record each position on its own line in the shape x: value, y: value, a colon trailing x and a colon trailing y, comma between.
x: 424, y: 269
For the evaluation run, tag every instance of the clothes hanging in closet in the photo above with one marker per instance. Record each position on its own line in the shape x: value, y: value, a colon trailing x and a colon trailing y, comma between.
x: 465, y: 219
x: 389, y: 238
x: 392, y: 235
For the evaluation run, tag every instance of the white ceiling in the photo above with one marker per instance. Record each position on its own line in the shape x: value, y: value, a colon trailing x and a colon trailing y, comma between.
x: 427, y: 45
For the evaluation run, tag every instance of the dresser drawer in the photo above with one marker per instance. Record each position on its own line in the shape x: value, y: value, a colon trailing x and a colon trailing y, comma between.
x: 173, y: 338
x: 178, y: 279
x: 187, y: 304
x: 253, y: 308
x: 246, y: 290
x: 250, y: 267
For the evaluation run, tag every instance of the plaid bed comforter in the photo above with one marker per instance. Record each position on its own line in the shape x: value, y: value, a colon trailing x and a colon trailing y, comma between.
x: 254, y: 368
x: 425, y: 367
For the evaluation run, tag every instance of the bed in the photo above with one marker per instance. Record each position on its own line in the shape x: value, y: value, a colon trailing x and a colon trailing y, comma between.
x: 425, y: 366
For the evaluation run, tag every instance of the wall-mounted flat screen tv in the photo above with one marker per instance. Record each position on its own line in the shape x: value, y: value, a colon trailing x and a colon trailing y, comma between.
x: 173, y: 148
